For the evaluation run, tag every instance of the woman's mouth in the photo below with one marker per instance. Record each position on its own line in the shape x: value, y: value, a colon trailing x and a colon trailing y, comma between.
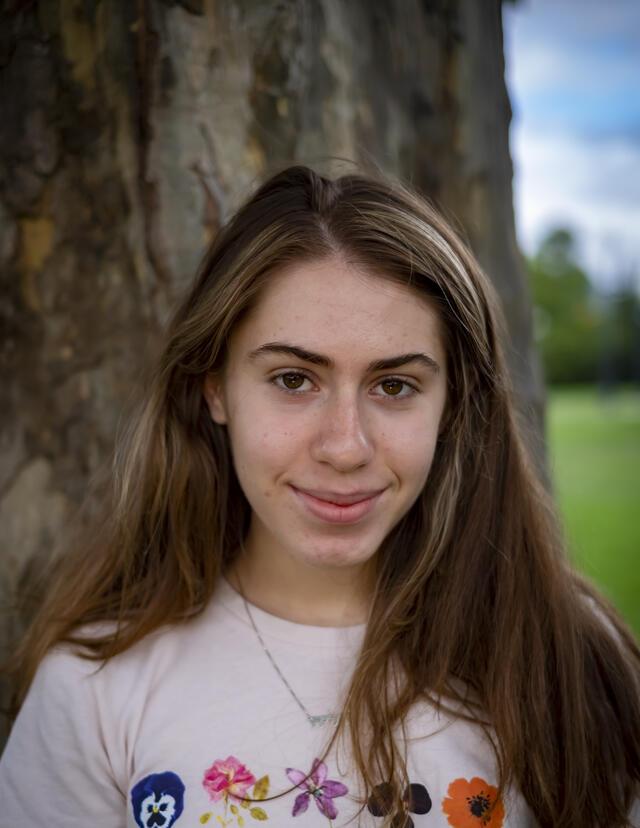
x: 338, y: 508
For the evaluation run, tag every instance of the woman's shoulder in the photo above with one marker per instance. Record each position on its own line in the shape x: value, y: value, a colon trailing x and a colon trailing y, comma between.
x: 61, y: 737
x: 186, y: 643
x: 73, y: 669
x: 63, y: 678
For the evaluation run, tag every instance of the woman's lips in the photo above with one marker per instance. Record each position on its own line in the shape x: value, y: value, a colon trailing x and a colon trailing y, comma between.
x: 337, y: 513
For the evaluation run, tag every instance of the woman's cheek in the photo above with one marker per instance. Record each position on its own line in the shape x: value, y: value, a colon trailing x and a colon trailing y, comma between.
x: 411, y: 444
x: 268, y: 440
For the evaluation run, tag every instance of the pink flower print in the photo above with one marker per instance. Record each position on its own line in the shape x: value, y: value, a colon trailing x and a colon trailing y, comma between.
x: 227, y: 777
x: 316, y: 785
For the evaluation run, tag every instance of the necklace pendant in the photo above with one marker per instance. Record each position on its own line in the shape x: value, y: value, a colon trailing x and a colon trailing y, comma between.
x: 316, y: 721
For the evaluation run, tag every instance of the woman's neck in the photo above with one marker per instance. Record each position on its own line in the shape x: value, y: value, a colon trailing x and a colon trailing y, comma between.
x: 304, y: 594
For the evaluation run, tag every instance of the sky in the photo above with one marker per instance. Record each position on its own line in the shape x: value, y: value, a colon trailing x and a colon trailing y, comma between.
x: 573, y: 75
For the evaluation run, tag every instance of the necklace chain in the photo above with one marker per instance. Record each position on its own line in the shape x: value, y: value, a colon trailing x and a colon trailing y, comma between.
x: 314, y: 721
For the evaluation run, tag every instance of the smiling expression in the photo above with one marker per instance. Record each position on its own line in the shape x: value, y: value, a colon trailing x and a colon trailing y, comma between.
x: 332, y: 393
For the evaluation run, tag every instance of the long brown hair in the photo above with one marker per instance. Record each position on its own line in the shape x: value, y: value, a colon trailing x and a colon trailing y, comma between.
x: 475, y: 606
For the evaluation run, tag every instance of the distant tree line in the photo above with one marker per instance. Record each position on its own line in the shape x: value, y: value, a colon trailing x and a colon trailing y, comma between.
x: 585, y: 334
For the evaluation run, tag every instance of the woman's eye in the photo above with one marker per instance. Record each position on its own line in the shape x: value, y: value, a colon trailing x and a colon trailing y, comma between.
x: 289, y: 381
x: 392, y: 387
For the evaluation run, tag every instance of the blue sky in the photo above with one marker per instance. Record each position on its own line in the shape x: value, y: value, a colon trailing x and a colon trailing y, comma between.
x: 573, y: 73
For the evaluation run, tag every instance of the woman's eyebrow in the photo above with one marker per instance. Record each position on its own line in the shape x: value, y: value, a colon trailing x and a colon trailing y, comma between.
x: 386, y: 364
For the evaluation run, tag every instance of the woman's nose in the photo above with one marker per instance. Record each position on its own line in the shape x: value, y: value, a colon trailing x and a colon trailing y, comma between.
x: 343, y: 438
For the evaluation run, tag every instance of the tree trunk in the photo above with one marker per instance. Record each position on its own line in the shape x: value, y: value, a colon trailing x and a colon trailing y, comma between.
x: 131, y: 129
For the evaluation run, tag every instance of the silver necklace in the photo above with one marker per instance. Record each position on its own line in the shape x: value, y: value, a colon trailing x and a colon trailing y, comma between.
x: 314, y: 721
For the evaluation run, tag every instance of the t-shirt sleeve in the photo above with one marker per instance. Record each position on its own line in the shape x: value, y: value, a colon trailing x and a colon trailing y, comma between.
x: 56, y: 770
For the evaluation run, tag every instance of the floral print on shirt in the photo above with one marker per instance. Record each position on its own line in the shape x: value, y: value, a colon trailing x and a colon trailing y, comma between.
x: 158, y: 800
x: 415, y: 799
x: 234, y: 789
x: 316, y: 786
x: 473, y: 804
x: 229, y: 782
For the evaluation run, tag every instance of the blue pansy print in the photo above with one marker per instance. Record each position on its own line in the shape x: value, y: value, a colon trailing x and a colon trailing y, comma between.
x: 158, y: 800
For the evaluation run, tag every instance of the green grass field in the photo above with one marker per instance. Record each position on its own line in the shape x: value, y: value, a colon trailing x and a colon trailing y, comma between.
x: 594, y: 449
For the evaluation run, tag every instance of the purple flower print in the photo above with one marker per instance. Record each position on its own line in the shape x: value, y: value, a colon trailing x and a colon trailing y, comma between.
x: 316, y: 785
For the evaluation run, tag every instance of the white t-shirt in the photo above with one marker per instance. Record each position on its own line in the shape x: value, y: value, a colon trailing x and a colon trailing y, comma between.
x: 194, y: 719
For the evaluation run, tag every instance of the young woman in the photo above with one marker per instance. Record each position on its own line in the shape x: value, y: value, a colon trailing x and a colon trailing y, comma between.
x: 328, y: 588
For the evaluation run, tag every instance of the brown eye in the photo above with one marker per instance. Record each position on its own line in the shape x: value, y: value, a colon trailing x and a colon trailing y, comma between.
x: 292, y: 381
x: 393, y: 387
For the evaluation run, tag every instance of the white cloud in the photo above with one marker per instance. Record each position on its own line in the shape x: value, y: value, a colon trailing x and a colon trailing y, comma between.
x: 543, y: 65
x: 593, y: 187
x: 572, y: 71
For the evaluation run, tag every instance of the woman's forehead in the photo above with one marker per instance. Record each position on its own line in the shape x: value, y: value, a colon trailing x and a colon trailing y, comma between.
x: 333, y: 307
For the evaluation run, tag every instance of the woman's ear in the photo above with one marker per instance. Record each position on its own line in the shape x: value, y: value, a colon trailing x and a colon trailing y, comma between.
x: 214, y: 397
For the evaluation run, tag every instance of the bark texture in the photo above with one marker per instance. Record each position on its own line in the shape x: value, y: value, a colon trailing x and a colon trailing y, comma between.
x: 129, y: 130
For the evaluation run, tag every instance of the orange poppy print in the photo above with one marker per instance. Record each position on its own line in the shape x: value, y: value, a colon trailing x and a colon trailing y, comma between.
x: 473, y: 804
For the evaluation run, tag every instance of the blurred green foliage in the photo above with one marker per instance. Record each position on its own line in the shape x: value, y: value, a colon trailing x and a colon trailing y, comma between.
x: 589, y: 341
x: 594, y: 448
x: 584, y: 336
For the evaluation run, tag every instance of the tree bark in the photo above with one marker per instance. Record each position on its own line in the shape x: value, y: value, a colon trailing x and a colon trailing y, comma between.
x: 130, y: 130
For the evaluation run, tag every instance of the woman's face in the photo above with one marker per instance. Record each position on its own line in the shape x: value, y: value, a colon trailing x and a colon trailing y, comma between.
x: 332, y: 394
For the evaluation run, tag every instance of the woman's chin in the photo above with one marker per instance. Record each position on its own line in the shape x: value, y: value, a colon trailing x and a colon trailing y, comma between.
x: 331, y: 556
